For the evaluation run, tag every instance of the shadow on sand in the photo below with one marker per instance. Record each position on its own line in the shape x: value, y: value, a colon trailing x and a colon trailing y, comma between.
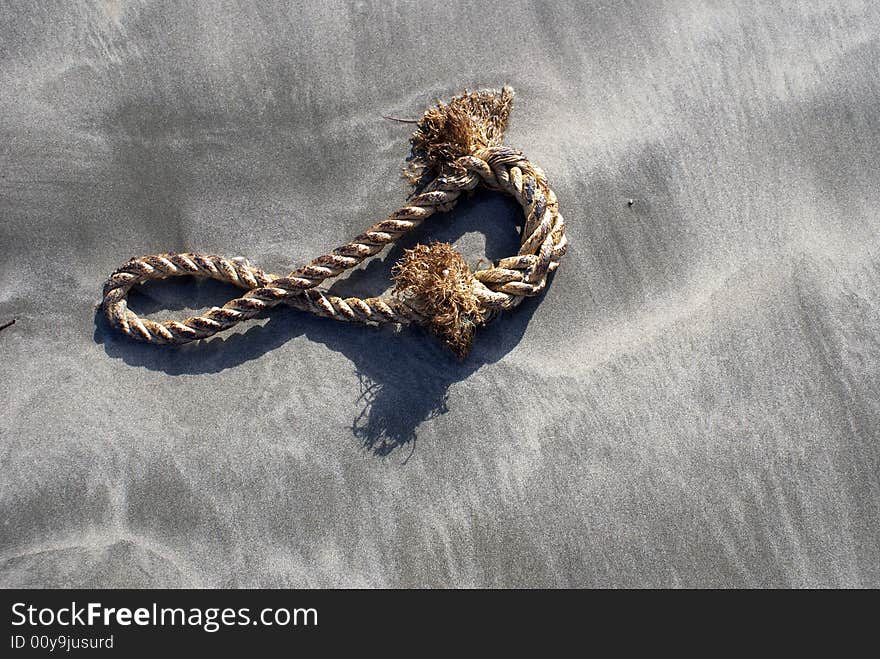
x: 404, y: 376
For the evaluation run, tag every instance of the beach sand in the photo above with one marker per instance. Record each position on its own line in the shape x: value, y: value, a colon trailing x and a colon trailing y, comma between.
x: 694, y: 401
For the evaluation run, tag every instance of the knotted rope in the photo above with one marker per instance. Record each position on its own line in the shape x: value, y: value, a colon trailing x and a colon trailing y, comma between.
x: 456, y: 147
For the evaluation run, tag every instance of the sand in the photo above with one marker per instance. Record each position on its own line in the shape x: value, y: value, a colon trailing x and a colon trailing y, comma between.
x: 694, y: 401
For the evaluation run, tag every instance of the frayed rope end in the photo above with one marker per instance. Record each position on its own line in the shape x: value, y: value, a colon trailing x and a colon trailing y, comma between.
x: 446, y: 132
x: 437, y: 282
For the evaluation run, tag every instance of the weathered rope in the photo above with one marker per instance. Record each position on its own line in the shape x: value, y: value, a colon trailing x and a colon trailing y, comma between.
x: 456, y: 148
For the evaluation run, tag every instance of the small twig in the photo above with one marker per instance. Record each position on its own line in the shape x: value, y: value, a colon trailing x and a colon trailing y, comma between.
x: 7, y: 324
x: 400, y: 121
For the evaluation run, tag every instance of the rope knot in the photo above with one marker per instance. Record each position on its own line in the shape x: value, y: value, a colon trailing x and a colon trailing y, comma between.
x: 436, y: 281
x: 469, y: 123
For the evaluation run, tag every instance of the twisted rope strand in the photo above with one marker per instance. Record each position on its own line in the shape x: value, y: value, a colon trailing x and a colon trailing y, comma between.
x: 500, y: 287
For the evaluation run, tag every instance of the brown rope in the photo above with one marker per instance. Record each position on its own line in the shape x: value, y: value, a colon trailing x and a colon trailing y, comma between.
x: 456, y: 148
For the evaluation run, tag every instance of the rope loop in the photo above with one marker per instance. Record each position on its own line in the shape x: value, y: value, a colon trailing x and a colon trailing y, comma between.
x: 456, y: 148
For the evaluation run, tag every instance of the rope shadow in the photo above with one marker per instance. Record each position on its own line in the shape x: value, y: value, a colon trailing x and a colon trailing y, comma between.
x: 404, y: 375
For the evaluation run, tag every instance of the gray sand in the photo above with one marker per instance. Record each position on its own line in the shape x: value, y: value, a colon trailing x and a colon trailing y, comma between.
x: 695, y: 401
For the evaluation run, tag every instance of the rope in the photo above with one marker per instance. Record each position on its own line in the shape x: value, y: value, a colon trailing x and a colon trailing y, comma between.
x: 456, y: 148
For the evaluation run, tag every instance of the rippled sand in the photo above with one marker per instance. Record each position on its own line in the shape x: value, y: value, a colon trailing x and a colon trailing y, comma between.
x: 695, y: 401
